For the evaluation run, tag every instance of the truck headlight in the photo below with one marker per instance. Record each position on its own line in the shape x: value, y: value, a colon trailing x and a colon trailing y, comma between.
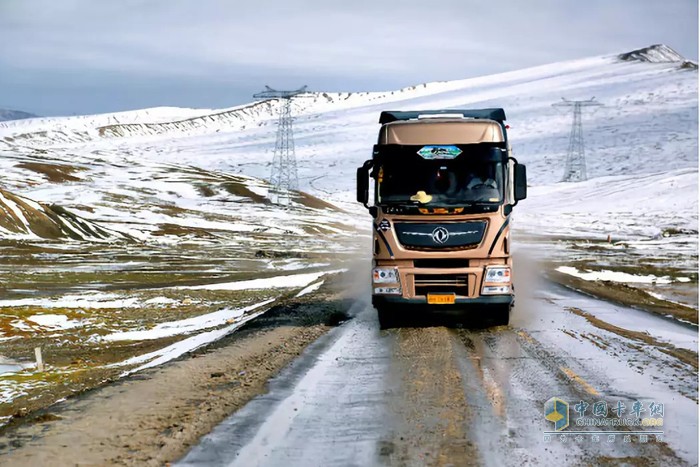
x: 385, y: 276
x: 496, y: 281
x: 497, y: 275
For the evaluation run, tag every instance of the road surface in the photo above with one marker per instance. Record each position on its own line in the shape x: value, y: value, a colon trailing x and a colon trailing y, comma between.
x: 441, y: 396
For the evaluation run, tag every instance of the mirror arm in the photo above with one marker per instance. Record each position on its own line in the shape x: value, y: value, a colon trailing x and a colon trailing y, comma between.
x: 511, y: 158
x: 366, y: 166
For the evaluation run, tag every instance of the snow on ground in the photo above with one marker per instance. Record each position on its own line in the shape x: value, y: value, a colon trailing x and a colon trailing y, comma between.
x: 55, y: 322
x: 627, y: 207
x: 87, y: 300
x: 180, y: 348
x: 186, y: 326
x: 11, y: 366
x: 288, y: 281
x: 617, y: 276
x: 311, y: 288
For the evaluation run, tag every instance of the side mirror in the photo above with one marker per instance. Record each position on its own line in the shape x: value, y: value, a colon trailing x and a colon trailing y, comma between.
x: 363, y: 183
x: 520, y: 174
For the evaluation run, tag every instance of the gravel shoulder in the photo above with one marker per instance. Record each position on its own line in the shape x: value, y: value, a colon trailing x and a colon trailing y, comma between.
x: 171, y: 407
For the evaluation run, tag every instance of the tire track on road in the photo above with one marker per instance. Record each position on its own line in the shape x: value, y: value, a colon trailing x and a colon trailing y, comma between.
x: 509, y: 376
x: 430, y: 404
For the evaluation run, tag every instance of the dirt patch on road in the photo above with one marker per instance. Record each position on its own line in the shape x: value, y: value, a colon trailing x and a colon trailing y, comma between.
x: 171, y: 407
x: 432, y: 415
x: 626, y: 295
x: 686, y: 356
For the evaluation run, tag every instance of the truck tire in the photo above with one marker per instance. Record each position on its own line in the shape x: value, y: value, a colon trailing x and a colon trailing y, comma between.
x: 388, y: 318
x: 500, y: 316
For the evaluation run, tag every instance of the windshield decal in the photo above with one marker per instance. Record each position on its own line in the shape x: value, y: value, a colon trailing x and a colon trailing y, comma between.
x: 439, y: 152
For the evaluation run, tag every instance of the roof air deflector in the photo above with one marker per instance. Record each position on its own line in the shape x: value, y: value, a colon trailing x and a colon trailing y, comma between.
x: 388, y: 116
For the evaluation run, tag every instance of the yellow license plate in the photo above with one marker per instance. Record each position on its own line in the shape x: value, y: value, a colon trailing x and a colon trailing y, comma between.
x: 441, y: 299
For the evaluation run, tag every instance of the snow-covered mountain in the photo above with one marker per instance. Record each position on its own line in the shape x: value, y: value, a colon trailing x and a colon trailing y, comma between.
x: 7, y: 115
x: 143, y: 169
x: 658, y: 53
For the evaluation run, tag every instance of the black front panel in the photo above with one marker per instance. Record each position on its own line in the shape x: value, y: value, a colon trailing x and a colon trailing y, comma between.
x: 442, y: 283
x: 441, y: 263
x: 440, y: 235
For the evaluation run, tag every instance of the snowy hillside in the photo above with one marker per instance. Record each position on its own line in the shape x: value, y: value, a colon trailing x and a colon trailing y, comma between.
x: 126, y: 160
x: 658, y: 53
x: 24, y: 219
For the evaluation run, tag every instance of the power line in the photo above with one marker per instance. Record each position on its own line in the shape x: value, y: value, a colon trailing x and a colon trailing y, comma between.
x: 575, y: 170
x: 283, y: 177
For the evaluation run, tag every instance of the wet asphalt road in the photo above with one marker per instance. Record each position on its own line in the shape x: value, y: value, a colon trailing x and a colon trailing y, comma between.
x: 440, y: 396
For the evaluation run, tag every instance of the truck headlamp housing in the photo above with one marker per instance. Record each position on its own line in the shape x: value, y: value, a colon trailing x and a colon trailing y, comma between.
x: 496, y: 281
x: 497, y: 275
x: 385, y: 276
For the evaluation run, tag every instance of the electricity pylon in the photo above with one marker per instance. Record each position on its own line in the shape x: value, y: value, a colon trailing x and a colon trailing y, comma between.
x: 283, y: 178
x: 575, y: 170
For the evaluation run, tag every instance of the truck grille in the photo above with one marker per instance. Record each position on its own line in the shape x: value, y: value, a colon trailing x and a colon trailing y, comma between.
x: 440, y: 235
x: 429, y: 283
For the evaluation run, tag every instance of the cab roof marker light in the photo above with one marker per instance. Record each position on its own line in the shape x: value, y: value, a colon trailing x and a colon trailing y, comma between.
x: 428, y: 116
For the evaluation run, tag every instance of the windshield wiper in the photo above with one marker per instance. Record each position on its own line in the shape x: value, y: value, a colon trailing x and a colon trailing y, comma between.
x: 399, y: 204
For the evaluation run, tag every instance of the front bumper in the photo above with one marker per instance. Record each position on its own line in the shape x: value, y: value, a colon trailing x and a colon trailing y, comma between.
x: 461, y: 304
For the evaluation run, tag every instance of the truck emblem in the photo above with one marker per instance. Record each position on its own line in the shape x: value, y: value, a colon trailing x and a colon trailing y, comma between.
x: 439, y: 152
x: 440, y: 235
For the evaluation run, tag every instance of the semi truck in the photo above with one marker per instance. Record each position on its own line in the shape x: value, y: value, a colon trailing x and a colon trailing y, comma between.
x: 445, y: 183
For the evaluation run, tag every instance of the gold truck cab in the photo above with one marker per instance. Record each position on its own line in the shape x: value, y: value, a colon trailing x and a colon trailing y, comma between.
x: 445, y: 184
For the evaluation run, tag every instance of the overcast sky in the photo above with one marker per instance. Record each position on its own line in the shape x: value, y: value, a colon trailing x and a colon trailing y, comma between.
x: 62, y: 57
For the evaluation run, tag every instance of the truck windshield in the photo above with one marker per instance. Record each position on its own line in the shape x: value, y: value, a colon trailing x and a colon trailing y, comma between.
x: 460, y: 181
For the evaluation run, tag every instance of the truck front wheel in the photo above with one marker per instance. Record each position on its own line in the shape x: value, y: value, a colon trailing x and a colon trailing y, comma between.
x: 500, y: 316
x: 388, y: 318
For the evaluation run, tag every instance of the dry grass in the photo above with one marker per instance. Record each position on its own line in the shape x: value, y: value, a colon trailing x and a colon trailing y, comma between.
x: 54, y: 173
x: 311, y: 201
x: 239, y: 189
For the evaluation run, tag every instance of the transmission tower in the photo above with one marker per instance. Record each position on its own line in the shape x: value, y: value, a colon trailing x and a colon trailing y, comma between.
x: 575, y: 170
x: 283, y: 178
